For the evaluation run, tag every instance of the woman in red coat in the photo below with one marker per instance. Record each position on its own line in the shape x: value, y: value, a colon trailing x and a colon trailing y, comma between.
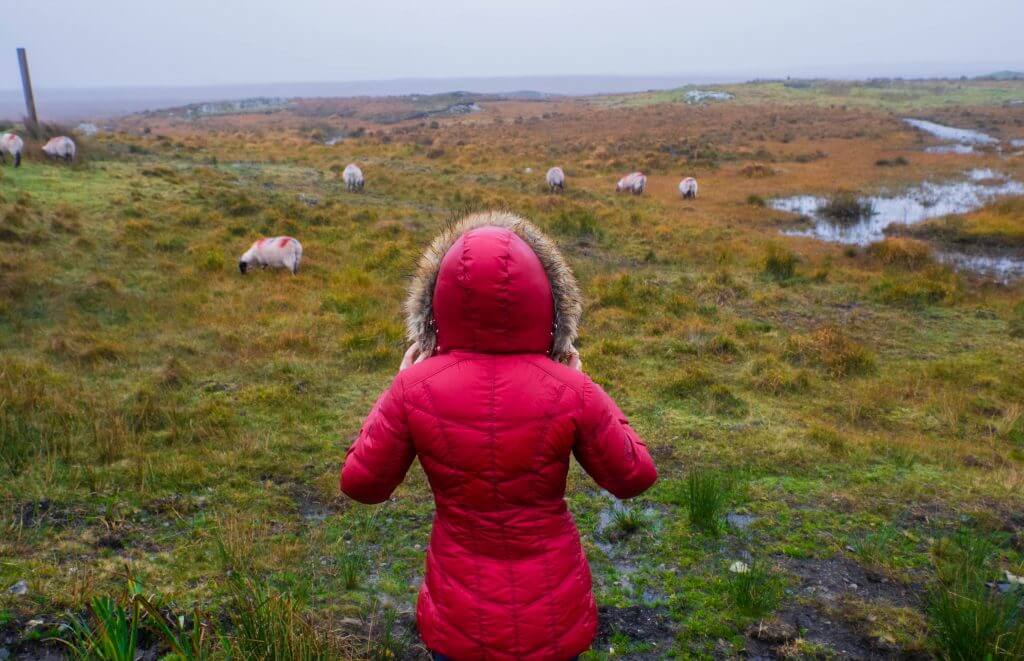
x: 487, y: 403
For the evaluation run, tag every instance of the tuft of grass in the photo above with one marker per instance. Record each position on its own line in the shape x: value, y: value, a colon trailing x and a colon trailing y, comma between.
x: 846, y: 208
x: 387, y: 644
x: 721, y: 400
x: 899, y: 161
x: 756, y: 592
x: 874, y: 550
x: 352, y: 567
x: 757, y: 171
x: 931, y: 287
x: 756, y: 201
x: 270, y: 626
x: 1016, y: 323
x: 113, y: 632
x: 212, y: 260
x: 832, y: 350
x: 707, y: 494
x: 578, y: 223
x: 901, y: 252
x: 692, y: 381
x: 626, y: 521
x: 769, y: 375
x: 969, y: 619
x: 628, y: 292
x: 830, y: 439
x: 780, y: 263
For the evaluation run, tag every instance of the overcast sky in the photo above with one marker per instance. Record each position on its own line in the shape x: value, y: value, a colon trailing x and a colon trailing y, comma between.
x: 199, y: 42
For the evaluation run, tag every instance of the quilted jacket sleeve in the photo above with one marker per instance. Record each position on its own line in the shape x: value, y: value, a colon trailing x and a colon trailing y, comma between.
x: 377, y: 462
x: 608, y: 448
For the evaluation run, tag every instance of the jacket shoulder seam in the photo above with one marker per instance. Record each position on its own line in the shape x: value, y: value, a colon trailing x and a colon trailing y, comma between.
x: 564, y: 381
x: 434, y: 373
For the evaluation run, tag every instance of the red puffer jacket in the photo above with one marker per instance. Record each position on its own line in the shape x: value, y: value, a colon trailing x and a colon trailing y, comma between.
x: 494, y: 419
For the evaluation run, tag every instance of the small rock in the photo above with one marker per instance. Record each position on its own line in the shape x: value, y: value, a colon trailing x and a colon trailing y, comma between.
x: 739, y: 567
x: 1014, y: 579
x: 18, y: 589
x: 773, y: 632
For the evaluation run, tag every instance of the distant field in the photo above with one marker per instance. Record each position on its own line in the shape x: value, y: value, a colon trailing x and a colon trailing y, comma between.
x: 888, y: 95
x: 847, y: 422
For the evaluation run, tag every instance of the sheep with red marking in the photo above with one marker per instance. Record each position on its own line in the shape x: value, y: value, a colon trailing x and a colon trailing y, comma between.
x: 634, y: 182
x: 555, y: 179
x: 60, y: 147
x: 353, y: 178
x: 279, y: 252
x: 688, y: 188
x: 11, y: 144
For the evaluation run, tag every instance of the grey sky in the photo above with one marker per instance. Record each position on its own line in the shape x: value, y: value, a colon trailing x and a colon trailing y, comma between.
x: 74, y: 43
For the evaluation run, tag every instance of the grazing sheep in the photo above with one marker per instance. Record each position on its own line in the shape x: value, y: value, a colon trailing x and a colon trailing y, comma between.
x: 11, y: 144
x: 635, y: 182
x: 556, y: 179
x: 353, y: 178
x: 60, y: 147
x: 278, y: 252
x: 688, y: 188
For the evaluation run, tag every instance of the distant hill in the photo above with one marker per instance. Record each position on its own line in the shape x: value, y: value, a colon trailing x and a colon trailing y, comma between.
x: 1003, y: 75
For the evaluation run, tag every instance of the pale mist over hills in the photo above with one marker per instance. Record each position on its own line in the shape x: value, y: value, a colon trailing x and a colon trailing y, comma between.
x: 72, y: 104
x: 97, y: 103
x: 106, y: 58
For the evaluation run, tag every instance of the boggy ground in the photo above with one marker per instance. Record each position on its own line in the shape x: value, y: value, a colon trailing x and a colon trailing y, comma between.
x: 167, y: 419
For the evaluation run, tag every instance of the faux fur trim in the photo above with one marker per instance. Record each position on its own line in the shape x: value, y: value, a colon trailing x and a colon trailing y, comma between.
x: 419, y: 316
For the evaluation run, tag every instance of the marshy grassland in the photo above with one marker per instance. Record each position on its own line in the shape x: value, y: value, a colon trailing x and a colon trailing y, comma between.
x: 839, y: 429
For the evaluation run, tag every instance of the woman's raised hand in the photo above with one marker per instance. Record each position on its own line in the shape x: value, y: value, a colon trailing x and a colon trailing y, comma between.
x: 411, y: 357
x: 573, y: 359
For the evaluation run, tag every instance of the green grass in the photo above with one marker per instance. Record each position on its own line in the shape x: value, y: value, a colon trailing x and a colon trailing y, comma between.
x: 707, y: 494
x: 756, y: 590
x: 162, y: 413
x: 971, y: 619
x: 895, y: 95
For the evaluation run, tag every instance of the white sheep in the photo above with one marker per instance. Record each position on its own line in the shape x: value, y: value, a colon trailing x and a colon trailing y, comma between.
x: 60, y: 147
x: 277, y: 252
x: 556, y: 179
x: 11, y: 144
x: 635, y: 182
x: 353, y: 177
x: 688, y: 188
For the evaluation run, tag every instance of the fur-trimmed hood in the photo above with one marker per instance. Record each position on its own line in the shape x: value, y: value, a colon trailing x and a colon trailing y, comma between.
x: 567, y: 302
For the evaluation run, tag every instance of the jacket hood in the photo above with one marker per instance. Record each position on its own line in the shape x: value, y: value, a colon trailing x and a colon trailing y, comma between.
x: 494, y: 283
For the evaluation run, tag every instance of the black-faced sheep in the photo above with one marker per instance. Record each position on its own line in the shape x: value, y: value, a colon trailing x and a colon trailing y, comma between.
x: 353, y: 178
x: 11, y: 144
x: 688, y: 188
x: 60, y: 147
x: 634, y: 182
x: 281, y: 252
x: 555, y: 179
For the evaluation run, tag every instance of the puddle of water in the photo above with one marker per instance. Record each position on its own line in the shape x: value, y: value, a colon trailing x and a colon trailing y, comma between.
x: 740, y: 521
x: 963, y: 136
x: 917, y: 204
x: 986, y: 174
x: 700, y: 96
x: 624, y: 567
x: 1002, y: 269
x: 950, y: 149
x: 1019, y: 142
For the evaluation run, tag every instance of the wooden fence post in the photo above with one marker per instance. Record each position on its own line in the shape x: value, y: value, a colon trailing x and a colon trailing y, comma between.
x: 26, y: 86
